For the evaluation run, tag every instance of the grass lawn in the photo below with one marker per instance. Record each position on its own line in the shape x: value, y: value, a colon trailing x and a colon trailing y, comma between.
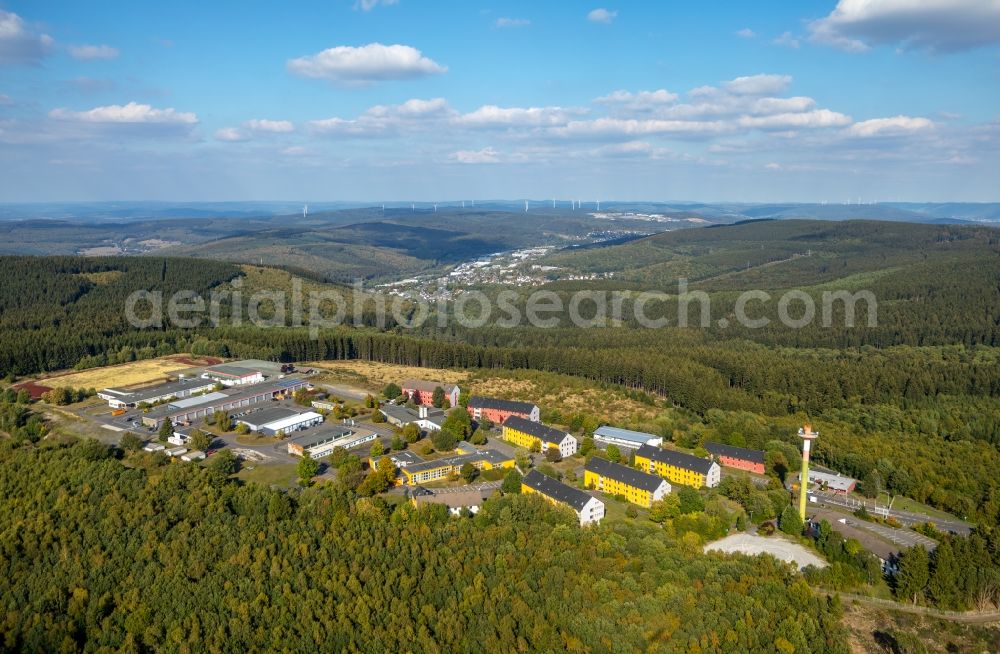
x: 614, y: 511
x: 279, y: 474
x: 906, y: 504
x: 253, y: 439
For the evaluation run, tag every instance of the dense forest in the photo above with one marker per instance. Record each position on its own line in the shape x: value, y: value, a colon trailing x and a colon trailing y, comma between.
x: 179, y: 557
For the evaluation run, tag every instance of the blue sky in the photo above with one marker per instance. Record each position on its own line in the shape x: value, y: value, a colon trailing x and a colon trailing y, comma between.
x: 764, y: 101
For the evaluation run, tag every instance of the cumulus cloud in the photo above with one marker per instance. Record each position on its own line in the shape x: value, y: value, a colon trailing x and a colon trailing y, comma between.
x: 512, y: 22
x: 894, y: 126
x: 132, y: 112
x: 787, y: 39
x: 486, y: 155
x: 6, y: 100
x: 805, y: 119
x: 273, y: 126
x: 19, y: 43
x: 386, y: 120
x: 374, y: 62
x: 746, y: 33
x: 630, y: 128
x: 91, y: 52
x: 601, y: 15
x: 758, y: 84
x: 641, y: 102
x: 932, y: 25
x: 368, y: 5
x: 230, y: 134
x: 494, y: 116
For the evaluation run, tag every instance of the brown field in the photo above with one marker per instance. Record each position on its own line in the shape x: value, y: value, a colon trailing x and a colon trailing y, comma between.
x: 875, y: 631
x: 549, y: 390
x: 125, y: 374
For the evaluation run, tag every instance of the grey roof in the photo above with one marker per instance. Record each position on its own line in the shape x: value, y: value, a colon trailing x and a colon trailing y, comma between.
x: 542, y: 431
x: 313, y: 438
x: 501, y: 405
x: 491, y: 456
x: 556, y: 490
x: 638, y: 437
x: 230, y: 370
x: 675, y: 458
x: 265, y: 416
x: 160, y: 390
x: 426, y: 385
x: 195, y: 400
x: 721, y: 449
x: 624, y: 474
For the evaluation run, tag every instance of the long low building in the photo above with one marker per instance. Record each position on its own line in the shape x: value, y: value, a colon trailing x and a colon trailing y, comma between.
x: 619, y: 437
x: 421, y: 473
x: 233, y: 374
x: 740, y: 458
x: 428, y: 419
x: 834, y: 483
x: 271, y: 422
x: 634, y: 485
x: 497, y: 411
x: 529, y: 434
x: 123, y: 398
x: 678, y: 467
x: 323, y: 442
x: 588, y: 508
x: 235, y: 399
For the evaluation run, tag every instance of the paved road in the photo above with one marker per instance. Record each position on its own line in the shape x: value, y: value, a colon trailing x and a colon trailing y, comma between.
x: 905, y: 517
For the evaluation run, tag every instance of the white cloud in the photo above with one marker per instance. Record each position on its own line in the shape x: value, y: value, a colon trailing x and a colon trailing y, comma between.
x: 230, y: 134
x: 494, y: 116
x: 618, y: 127
x: 387, y: 120
x: 19, y: 43
x: 368, y: 63
x: 486, y: 155
x: 90, y: 52
x: 368, y: 5
x: 601, y: 15
x: 642, y: 102
x: 932, y: 25
x: 746, y: 33
x: 758, y: 84
x: 132, y: 112
x: 773, y: 166
x: 273, y: 126
x: 630, y: 150
x: 6, y: 100
x: 890, y: 126
x: 512, y: 22
x: 788, y: 40
x: 815, y: 118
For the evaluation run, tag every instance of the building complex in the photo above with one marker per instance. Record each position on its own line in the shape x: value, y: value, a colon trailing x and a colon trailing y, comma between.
x: 588, y: 508
x: 634, y: 485
x: 497, y: 411
x: 678, y: 467
x: 421, y: 391
x: 741, y: 458
x: 535, y: 435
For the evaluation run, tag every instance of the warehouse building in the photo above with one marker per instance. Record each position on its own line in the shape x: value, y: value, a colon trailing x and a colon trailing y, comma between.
x: 678, y: 467
x: 588, y: 508
x: 625, y: 438
x: 635, y: 486
x: 497, y: 411
x: 233, y: 399
x: 323, y: 442
x: 121, y: 398
x: 428, y: 419
x: 740, y: 458
x: 528, y: 434
x: 229, y: 374
x: 280, y: 419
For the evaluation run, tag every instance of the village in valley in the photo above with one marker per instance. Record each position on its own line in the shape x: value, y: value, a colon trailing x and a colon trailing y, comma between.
x: 431, y: 442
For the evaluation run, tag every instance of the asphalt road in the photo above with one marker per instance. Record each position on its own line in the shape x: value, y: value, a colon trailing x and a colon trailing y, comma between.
x: 904, y: 517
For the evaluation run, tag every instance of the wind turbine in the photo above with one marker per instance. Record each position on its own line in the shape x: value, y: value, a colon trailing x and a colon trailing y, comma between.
x: 305, y: 210
x: 525, y: 206
x: 598, y: 205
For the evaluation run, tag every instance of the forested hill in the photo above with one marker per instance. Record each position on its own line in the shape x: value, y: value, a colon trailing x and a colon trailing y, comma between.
x: 98, y: 556
x: 773, y: 254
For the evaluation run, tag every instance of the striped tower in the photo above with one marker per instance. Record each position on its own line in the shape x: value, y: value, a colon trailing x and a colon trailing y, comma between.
x: 807, y: 435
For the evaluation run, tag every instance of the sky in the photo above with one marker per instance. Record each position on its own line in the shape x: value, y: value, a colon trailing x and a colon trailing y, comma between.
x: 392, y: 100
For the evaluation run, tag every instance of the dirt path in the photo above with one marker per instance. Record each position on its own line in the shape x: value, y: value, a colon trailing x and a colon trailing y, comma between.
x: 967, y: 617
